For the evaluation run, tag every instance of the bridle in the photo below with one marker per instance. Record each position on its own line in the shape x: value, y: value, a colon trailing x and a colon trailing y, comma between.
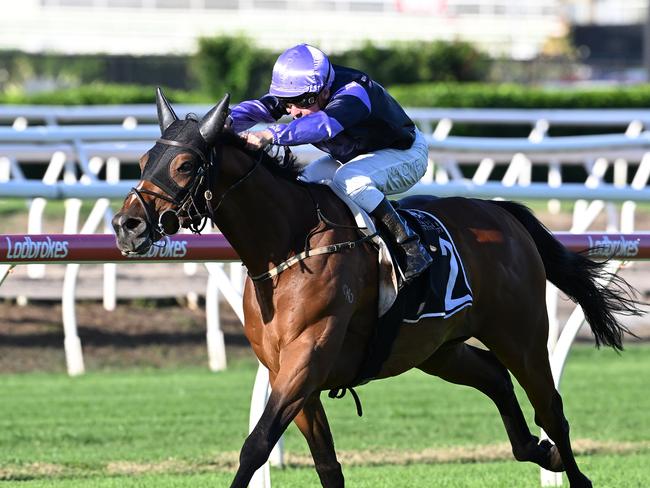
x: 187, y: 201
x: 184, y: 200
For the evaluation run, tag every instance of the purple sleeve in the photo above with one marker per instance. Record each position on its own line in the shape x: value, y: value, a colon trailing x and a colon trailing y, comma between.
x: 347, y: 107
x: 309, y: 129
x: 246, y: 114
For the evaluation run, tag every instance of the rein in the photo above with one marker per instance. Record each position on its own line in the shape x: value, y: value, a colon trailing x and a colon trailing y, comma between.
x: 183, y: 205
x: 332, y: 248
x: 239, y: 181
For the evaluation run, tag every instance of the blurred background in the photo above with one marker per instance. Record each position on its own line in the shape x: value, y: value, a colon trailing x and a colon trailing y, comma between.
x: 204, y: 46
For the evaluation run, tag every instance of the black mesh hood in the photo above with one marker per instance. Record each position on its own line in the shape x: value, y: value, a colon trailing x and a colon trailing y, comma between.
x: 157, y: 169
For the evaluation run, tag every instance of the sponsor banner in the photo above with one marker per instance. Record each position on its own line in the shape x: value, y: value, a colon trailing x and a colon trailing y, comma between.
x: 26, y: 249
x: 165, y: 249
x: 101, y: 248
x: 73, y: 248
x: 613, y: 245
x: 616, y: 246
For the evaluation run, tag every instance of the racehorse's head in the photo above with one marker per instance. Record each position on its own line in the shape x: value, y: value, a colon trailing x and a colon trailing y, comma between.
x: 177, y: 172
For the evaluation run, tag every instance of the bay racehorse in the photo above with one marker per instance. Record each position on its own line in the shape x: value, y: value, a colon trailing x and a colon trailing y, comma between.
x: 311, y: 324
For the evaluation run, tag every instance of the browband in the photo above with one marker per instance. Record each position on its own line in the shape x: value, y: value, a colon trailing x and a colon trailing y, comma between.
x: 198, y: 152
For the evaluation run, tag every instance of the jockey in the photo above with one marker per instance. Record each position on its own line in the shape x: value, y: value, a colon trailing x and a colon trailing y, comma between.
x: 373, y: 148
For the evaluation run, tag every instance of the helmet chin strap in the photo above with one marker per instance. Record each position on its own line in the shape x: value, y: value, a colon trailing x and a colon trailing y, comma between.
x: 323, y: 97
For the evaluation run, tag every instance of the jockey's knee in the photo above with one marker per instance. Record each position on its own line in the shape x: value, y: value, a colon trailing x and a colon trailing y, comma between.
x: 359, y: 189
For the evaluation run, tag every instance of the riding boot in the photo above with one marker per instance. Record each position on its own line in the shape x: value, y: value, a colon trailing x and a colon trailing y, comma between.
x: 417, y: 257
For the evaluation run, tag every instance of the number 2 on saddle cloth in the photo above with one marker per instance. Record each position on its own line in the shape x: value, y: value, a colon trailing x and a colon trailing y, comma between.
x: 441, y: 291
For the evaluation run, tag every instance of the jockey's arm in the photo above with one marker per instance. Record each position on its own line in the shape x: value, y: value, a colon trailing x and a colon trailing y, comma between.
x: 250, y: 112
x: 341, y: 112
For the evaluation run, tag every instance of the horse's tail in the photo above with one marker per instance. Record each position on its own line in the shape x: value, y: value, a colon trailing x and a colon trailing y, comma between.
x: 577, y: 276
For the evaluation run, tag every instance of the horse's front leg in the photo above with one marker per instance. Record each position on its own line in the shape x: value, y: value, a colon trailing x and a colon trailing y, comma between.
x: 304, y: 365
x: 280, y: 410
x: 313, y: 424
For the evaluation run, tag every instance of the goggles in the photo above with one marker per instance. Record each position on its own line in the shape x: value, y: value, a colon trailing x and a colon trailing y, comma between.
x: 305, y: 100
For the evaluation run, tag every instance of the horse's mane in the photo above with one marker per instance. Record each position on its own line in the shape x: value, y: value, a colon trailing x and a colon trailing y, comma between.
x: 284, y: 167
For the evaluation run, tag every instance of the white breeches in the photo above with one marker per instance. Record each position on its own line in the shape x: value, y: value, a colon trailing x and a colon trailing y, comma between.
x: 368, y: 177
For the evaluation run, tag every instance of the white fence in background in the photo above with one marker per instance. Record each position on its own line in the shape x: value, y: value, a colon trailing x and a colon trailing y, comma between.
x: 76, y: 145
x: 74, y: 153
x: 428, y: 119
x: 77, y: 153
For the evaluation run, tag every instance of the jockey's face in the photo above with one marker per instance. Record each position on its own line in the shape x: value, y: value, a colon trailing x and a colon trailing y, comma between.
x: 296, y: 111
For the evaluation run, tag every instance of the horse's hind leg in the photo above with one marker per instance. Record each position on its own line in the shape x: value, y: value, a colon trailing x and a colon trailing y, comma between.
x: 528, y: 362
x: 313, y: 424
x: 467, y: 365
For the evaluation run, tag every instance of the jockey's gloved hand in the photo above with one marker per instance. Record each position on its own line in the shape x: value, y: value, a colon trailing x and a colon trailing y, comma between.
x: 258, y: 139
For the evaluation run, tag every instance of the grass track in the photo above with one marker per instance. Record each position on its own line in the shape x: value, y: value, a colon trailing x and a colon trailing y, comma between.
x: 605, y: 471
x: 184, y: 427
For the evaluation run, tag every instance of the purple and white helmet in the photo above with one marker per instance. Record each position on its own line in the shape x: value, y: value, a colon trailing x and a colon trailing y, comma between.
x: 301, y: 69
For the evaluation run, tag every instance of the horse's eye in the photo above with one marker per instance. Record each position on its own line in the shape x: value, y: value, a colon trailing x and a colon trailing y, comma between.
x: 186, y: 167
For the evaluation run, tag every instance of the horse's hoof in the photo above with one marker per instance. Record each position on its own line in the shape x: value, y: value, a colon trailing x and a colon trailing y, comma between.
x: 551, y: 459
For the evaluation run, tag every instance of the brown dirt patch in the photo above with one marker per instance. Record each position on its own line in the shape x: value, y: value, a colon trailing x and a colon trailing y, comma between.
x: 152, y: 334
x: 469, y: 454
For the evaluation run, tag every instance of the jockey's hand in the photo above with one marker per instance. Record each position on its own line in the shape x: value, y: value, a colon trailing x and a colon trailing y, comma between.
x: 258, y: 139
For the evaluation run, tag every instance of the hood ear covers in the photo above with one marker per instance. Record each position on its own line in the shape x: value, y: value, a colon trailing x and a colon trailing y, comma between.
x: 166, y: 115
x: 212, y: 123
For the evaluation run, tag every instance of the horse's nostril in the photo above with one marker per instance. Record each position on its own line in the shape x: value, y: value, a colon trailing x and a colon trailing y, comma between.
x: 132, y: 224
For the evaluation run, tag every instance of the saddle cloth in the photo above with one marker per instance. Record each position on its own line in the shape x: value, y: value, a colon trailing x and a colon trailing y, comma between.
x: 441, y: 291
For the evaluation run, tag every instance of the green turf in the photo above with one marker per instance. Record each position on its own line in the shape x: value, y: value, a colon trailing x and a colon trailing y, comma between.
x: 9, y: 206
x: 190, y: 417
x: 126, y: 415
x: 14, y: 213
x: 53, y: 209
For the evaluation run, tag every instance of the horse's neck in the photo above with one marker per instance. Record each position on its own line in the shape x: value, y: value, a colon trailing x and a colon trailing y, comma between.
x: 263, y: 217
